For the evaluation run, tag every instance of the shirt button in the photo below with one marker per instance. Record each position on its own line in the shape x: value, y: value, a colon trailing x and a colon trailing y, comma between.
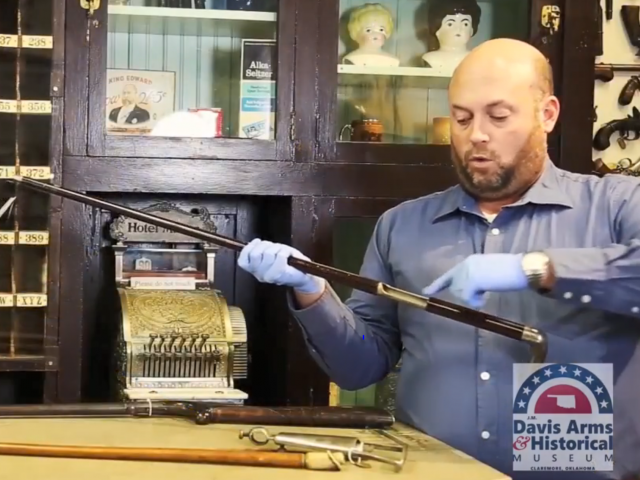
x: 495, y: 231
x: 568, y: 295
x: 485, y: 376
x: 485, y: 434
x: 585, y: 299
x: 635, y: 310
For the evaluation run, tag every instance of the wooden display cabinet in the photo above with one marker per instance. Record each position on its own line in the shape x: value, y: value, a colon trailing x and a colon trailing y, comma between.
x: 272, y: 165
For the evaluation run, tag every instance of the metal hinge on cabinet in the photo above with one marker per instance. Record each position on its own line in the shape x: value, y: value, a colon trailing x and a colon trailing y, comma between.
x: 292, y: 127
x: 91, y: 5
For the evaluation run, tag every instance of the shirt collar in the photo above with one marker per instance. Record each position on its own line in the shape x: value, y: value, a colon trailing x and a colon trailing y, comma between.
x: 546, y: 191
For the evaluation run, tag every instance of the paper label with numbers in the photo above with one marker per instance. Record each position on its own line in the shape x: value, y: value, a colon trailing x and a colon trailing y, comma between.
x: 9, y: 41
x: 7, y: 172
x: 29, y: 107
x: 33, y: 238
x: 31, y: 300
x: 7, y: 237
x: 6, y: 300
x: 35, y: 106
x: 39, y: 173
x: 8, y: 106
x: 37, y: 41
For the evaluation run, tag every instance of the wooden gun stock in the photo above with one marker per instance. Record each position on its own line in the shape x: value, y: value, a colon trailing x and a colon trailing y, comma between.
x: 247, y: 458
x: 629, y: 90
x: 631, y: 22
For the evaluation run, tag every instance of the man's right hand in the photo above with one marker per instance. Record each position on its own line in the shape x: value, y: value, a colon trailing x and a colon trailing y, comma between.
x: 267, y: 262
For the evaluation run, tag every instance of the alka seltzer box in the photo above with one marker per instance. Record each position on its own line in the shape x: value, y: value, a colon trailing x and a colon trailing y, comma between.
x: 258, y: 89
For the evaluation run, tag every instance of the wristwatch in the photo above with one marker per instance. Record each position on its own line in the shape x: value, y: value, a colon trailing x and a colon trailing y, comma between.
x: 536, y: 267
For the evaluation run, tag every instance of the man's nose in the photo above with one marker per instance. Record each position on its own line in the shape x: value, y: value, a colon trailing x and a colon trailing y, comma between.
x: 477, y: 134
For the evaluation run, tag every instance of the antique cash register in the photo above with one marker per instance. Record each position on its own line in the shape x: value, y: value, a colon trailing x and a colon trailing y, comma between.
x: 178, y: 339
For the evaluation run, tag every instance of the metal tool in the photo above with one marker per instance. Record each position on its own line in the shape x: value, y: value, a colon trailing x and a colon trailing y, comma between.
x: 354, y: 449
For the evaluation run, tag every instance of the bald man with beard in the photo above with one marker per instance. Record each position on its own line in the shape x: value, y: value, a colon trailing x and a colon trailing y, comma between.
x: 518, y: 238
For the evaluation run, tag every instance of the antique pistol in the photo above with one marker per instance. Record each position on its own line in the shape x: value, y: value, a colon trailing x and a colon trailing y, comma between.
x: 631, y: 21
x: 629, y: 90
x: 624, y: 126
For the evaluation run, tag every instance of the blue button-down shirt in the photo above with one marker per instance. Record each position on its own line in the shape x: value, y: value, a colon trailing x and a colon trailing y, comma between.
x: 455, y: 381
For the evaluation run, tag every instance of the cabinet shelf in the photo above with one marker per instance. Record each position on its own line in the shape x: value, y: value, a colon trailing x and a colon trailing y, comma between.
x: 23, y: 363
x: 427, y: 77
x: 191, y: 21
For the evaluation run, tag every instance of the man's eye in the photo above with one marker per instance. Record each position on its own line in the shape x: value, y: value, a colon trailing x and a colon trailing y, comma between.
x: 499, y: 119
x: 463, y: 121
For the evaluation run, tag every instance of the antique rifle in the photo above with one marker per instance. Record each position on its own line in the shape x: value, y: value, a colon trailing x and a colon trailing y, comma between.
x: 206, y: 413
x: 606, y: 71
x: 246, y: 458
x: 535, y: 338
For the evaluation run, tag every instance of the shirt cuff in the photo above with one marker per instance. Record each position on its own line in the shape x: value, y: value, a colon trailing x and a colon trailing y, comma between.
x: 579, y: 274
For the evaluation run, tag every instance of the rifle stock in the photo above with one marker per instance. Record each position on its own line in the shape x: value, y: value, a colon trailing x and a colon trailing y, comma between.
x: 206, y: 413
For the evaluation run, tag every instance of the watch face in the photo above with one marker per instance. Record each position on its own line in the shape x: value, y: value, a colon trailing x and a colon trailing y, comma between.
x: 535, y: 262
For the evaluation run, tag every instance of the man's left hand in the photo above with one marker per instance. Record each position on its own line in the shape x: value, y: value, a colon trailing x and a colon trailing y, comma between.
x: 479, y: 274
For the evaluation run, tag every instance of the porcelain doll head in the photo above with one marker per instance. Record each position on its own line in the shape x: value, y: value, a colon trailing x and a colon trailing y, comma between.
x: 370, y: 26
x: 452, y: 23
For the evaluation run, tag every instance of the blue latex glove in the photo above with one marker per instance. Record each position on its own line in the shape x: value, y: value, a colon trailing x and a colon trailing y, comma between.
x: 267, y: 261
x: 478, y: 274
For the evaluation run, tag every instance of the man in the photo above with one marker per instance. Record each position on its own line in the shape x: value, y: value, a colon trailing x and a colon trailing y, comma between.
x: 130, y: 112
x: 518, y: 238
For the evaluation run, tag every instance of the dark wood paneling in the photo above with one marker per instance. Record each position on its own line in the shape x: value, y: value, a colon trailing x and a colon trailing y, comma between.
x: 76, y: 87
x: 306, y: 110
x: 327, y: 62
x: 576, y: 116
x: 231, y: 177
x: 55, y: 215
x: 75, y: 238
x: 551, y: 44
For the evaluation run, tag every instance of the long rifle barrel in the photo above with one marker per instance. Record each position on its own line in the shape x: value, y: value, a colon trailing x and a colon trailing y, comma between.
x: 207, y: 413
x: 535, y: 338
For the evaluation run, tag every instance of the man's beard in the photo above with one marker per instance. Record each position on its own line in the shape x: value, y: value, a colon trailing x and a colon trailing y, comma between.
x: 510, y: 178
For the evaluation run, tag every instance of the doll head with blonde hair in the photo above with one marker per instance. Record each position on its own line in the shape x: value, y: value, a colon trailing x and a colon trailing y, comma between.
x: 370, y: 26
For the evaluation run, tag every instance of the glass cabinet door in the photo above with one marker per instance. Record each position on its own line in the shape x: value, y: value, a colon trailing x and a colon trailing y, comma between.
x: 395, y: 60
x: 195, y: 69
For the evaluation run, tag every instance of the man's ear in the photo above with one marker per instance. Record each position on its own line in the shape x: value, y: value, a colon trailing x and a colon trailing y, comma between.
x: 549, y: 113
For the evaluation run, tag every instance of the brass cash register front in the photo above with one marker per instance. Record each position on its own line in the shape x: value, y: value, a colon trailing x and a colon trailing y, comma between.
x: 178, y: 339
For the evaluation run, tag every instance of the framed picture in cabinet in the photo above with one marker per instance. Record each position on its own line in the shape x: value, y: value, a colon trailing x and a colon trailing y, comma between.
x: 388, y: 63
x: 202, y: 45
x: 137, y: 100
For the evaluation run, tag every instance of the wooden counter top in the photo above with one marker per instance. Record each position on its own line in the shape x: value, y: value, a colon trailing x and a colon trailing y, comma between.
x: 427, y: 459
